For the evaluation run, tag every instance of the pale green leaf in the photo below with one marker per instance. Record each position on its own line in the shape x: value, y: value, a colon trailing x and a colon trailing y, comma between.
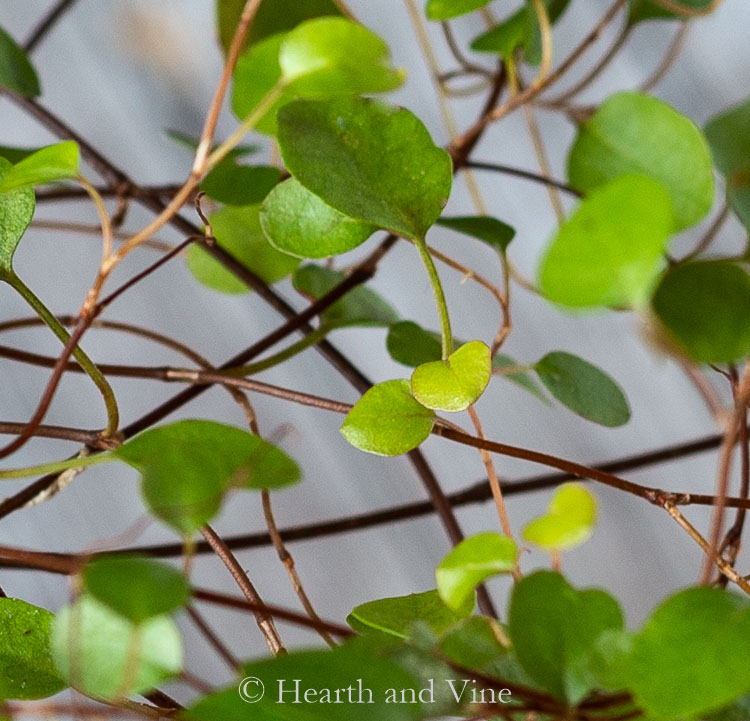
x: 447, y: 9
x: 46, y: 165
x: 456, y: 383
x: 568, y: 522
x: 16, y: 211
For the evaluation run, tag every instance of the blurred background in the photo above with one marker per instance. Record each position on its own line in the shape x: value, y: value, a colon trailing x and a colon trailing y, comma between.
x: 121, y: 72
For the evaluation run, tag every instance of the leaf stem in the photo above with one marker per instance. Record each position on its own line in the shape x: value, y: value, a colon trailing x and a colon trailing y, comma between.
x: 89, y: 367
x: 54, y: 467
x: 437, y: 289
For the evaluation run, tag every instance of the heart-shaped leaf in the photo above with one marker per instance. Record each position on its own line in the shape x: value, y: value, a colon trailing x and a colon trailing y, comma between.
x: 16, y: 211
x: 26, y: 670
x: 582, y: 387
x: 705, y: 309
x: 46, y: 165
x: 387, y: 420
x: 319, y: 58
x: 240, y: 184
x: 633, y: 133
x: 368, y: 160
x: 359, y: 307
x: 396, y: 616
x: 553, y: 626
x: 706, y: 625
x: 568, y: 522
x: 471, y: 562
x: 610, y: 251
x: 104, y: 654
x: 299, y: 223
x: 136, y: 587
x: 728, y: 135
x: 482, y: 227
x: 16, y: 72
x: 447, y: 9
x: 189, y: 466
x: 456, y: 383
x: 238, y: 231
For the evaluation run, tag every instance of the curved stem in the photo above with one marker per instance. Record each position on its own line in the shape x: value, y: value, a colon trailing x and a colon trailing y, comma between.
x: 54, y: 467
x: 89, y: 367
x: 437, y: 289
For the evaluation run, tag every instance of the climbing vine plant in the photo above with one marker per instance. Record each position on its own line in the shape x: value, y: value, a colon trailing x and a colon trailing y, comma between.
x: 354, y: 169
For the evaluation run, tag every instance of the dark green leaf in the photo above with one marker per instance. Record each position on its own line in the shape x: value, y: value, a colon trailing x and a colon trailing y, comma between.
x: 240, y: 184
x: 337, y: 669
x: 412, y: 345
x: 728, y: 135
x: 16, y: 155
x: 568, y: 522
x: 103, y: 654
x: 583, y: 388
x: 396, y: 616
x: 136, y: 587
x: 189, y: 466
x: 447, y: 9
x: 637, y: 133
x: 16, y: 72
x: 473, y: 643
x: 238, y: 231
x: 502, y: 365
x: 26, y: 670
x: 456, y: 383
x: 368, y: 160
x: 360, y: 306
x: 191, y: 142
x: 705, y: 308
x: 641, y: 10
x: 470, y: 563
x: 273, y: 16
x: 299, y: 223
x: 483, y: 227
x: 16, y: 212
x: 387, y: 420
x: 46, y: 165
x: 553, y: 625
x: 711, y: 628
x: 610, y: 251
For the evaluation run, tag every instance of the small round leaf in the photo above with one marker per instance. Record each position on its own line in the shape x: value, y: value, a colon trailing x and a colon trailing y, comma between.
x: 569, y: 520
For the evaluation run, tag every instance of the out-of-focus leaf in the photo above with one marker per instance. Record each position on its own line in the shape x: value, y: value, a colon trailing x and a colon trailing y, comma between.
x: 16, y: 71
x: 482, y: 227
x: 46, y: 165
x: 568, y: 522
x: 240, y: 184
x: 412, y: 345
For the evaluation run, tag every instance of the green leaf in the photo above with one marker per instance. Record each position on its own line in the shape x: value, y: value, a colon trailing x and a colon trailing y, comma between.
x: 387, y: 420
x: 103, y: 654
x: 15, y: 155
x: 368, y: 160
x: 552, y: 626
x: 520, y: 30
x: 711, y: 628
x: 273, y: 16
x: 238, y: 231
x: 632, y: 133
x: 46, y: 165
x: 705, y: 309
x: 447, y: 9
x: 641, y: 10
x: 16, y: 211
x: 456, y: 383
x: 568, y: 522
x: 359, y: 307
x: 26, y: 670
x: 189, y: 466
x: 583, y: 388
x: 412, y: 345
x: 339, y: 668
x: 191, y: 142
x: 16, y: 72
x: 135, y: 586
x: 471, y: 562
x: 319, y: 58
x: 473, y: 644
x: 397, y: 616
x: 610, y: 251
x: 240, y: 184
x: 299, y: 223
x: 501, y: 362
x: 728, y: 135
x: 482, y: 227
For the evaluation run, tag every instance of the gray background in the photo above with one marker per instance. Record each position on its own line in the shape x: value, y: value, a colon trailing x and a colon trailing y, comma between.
x: 121, y: 71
